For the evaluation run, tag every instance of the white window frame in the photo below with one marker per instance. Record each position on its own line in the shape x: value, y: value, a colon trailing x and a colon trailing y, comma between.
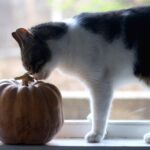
x: 71, y: 126
x: 128, y: 137
x: 120, y: 133
x: 116, y: 129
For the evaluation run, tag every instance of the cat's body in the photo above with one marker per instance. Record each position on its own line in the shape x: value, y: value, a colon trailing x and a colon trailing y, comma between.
x: 102, y: 49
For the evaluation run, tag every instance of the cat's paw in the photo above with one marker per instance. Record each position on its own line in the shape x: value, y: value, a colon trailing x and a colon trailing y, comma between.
x: 93, y: 137
x: 147, y: 138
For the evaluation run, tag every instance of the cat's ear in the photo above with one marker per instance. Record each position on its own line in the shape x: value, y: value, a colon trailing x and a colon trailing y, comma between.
x: 23, y: 37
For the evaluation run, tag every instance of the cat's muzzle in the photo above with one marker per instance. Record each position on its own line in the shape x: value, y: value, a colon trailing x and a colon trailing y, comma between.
x: 40, y: 76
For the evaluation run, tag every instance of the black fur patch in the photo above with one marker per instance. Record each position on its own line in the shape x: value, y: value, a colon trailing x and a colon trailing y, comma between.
x: 137, y: 36
x: 35, y: 58
x: 39, y: 52
x: 132, y: 25
x: 51, y: 30
x: 106, y: 24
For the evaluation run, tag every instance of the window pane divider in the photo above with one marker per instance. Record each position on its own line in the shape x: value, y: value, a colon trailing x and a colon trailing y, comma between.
x: 119, y: 95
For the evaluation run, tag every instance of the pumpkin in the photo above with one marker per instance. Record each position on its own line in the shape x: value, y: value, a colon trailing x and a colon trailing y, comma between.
x: 30, y: 113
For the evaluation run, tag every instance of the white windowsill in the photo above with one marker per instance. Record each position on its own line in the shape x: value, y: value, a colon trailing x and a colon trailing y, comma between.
x: 122, y: 135
x: 80, y: 144
x: 77, y: 142
x: 118, y: 129
x: 122, y: 95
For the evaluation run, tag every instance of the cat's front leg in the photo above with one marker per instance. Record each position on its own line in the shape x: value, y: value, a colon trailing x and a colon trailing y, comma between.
x: 101, y: 95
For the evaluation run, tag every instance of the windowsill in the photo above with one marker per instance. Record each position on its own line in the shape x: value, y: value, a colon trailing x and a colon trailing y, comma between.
x: 79, y: 144
x: 122, y: 135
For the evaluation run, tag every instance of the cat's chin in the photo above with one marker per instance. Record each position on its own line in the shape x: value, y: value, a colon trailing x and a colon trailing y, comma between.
x: 41, y: 76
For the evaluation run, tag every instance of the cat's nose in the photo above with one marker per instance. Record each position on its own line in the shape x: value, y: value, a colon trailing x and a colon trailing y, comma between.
x: 40, y: 76
x: 30, y: 72
x: 37, y: 77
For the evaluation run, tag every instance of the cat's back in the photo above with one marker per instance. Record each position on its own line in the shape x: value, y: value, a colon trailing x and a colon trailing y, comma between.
x: 115, y: 24
x: 129, y: 26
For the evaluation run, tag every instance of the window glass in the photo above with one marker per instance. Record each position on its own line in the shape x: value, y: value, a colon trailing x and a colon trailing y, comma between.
x: 27, y: 13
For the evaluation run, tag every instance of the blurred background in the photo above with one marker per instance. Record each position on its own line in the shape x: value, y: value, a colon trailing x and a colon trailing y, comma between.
x: 27, y: 13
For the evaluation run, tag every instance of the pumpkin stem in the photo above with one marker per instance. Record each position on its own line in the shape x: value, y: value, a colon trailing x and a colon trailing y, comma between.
x: 26, y: 78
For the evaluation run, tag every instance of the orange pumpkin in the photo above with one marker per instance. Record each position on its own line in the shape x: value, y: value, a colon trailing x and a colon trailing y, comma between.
x: 29, y: 114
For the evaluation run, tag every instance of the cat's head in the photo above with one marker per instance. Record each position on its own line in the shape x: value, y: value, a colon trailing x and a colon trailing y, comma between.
x: 37, y: 56
x: 34, y: 53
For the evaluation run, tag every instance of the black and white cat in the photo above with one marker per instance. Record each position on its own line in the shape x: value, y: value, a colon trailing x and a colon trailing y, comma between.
x: 102, y: 49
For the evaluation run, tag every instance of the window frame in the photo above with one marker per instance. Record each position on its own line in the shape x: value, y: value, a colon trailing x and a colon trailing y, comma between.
x: 130, y: 134
x: 127, y: 129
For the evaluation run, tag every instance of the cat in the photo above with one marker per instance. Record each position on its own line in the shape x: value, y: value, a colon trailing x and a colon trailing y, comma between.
x: 103, y: 50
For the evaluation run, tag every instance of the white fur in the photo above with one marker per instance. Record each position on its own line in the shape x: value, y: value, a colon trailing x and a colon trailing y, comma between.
x: 100, y: 65
x: 147, y: 138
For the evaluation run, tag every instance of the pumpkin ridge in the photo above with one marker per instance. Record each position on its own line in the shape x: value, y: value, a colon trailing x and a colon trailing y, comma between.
x: 49, y: 135
x: 39, y: 111
x: 58, y: 109
x: 21, y: 115
x: 52, y: 87
x: 7, y: 122
x: 5, y: 81
x: 59, y: 103
x: 4, y: 88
